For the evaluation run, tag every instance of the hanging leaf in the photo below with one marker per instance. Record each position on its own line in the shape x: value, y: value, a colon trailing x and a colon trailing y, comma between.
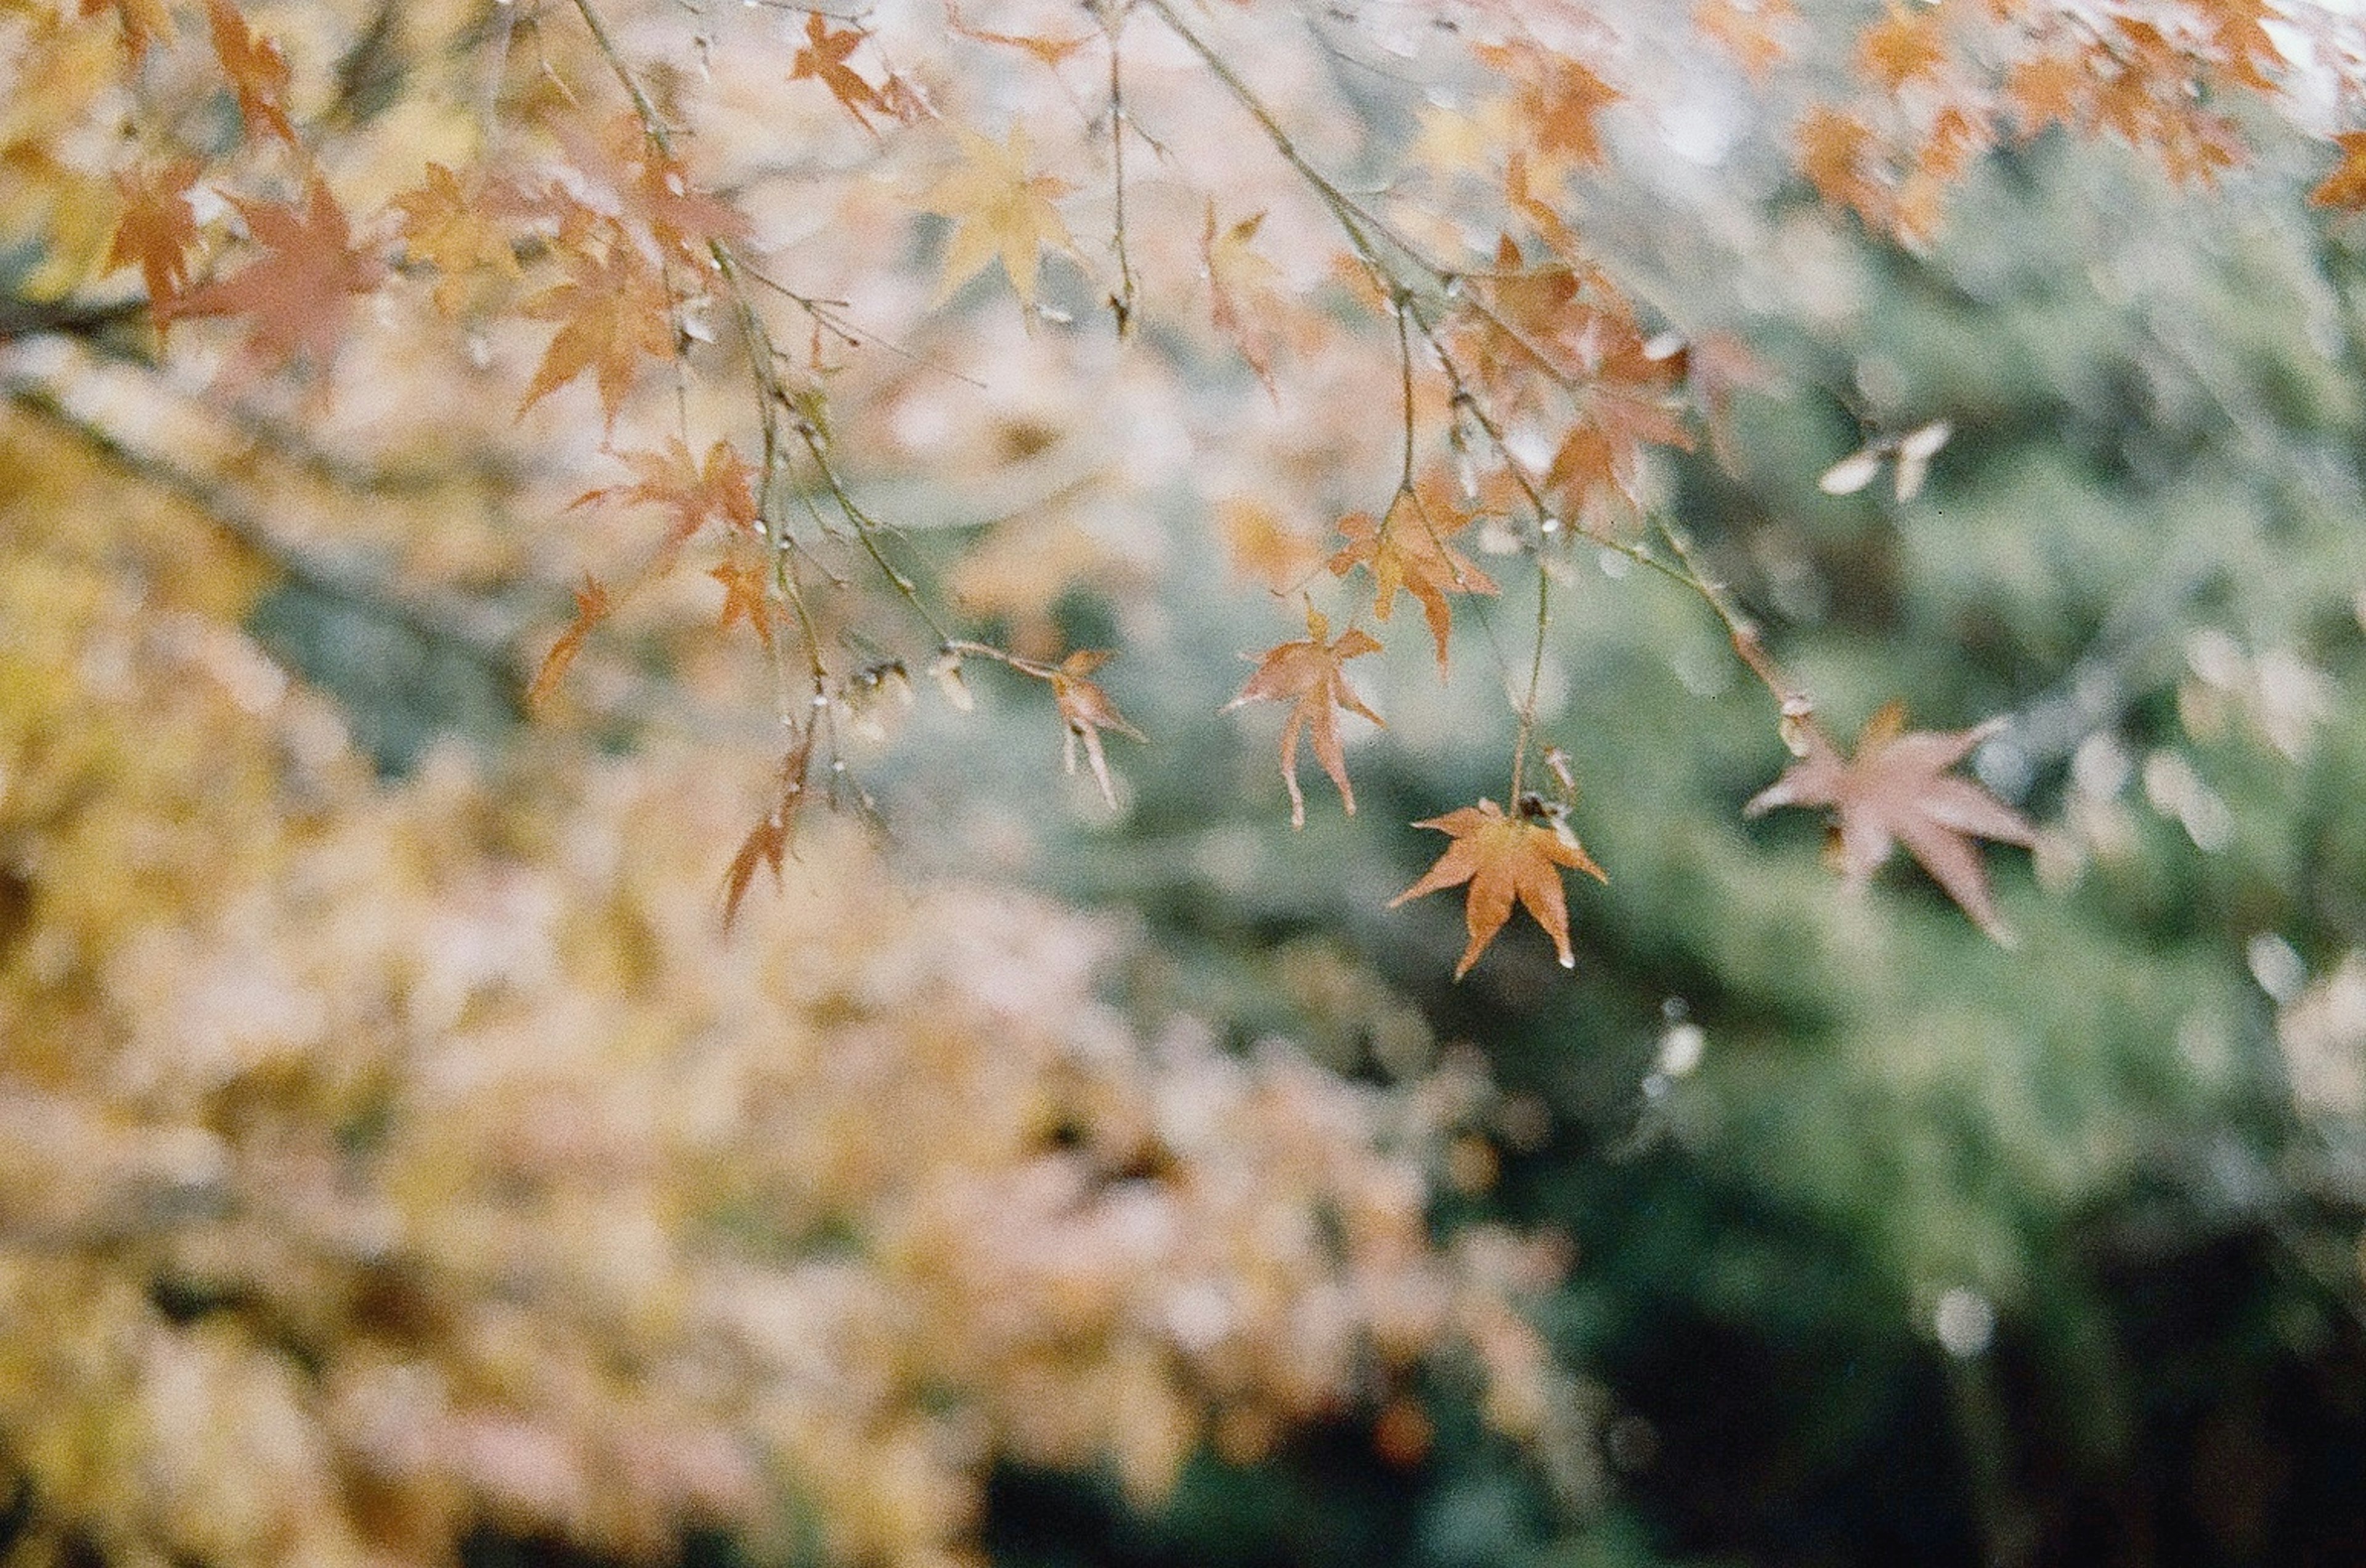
x: 1086, y: 710
x: 295, y: 299
x: 1308, y: 673
x: 1503, y: 858
x: 612, y: 312
x: 1897, y: 790
x: 1408, y: 552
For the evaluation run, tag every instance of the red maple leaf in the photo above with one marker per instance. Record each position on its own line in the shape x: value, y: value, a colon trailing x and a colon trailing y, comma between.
x: 1897, y: 790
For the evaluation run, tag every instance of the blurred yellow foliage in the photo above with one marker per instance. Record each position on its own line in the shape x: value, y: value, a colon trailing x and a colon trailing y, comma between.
x: 380, y: 1161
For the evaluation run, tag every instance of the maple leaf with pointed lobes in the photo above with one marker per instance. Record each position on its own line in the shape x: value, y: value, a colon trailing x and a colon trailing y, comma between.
x: 1558, y: 98
x: 823, y: 60
x: 2346, y: 186
x: 614, y: 311
x: 653, y: 188
x: 1897, y: 790
x: 1902, y: 46
x: 1308, y: 672
x: 156, y: 231
x: 692, y: 494
x: 999, y: 209
x: 744, y: 600
x: 591, y: 606
x: 1406, y: 552
x: 448, y: 226
x: 257, y: 71
x: 1086, y: 710
x: 1503, y: 858
x: 294, y: 299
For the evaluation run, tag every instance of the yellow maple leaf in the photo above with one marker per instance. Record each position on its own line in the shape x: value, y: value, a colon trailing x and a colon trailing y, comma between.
x: 999, y: 210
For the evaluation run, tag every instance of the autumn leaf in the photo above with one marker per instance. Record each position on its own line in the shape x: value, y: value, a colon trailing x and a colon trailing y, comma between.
x: 156, y: 231
x: 653, y: 189
x: 1242, y: 293
x: 257, y: 71
x: 1904, y: 45
x: 144, y: 21
x: 1897, y: 790
x: 1503, y: 858
x: 1086, y: 711
x: 1749, y: 33
x: 1262, y: 545
x: 823, y: 60
x: 1308, y: 672
x: 295, y: 299
x: 692, y: 494
x: 1557, y: 100
x: 2346, y: 186
x: 743, y: 599
x: 999, y: 210
x: 768, y: 842
x: 1834, y: 149
x: 1050, y: 50
x: 591, y: 606
x: 613, y: 312
x: 448, y: 226
x: 1406, y: 552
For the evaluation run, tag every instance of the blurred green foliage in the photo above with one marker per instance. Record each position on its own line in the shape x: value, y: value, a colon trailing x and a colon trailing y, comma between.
x: 1890, y: 1244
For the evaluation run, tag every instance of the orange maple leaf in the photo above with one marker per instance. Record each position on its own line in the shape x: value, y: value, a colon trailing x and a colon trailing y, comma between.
x: 1557, y: 100
x: 1749, y: 33
x: 1309, y: 673
x: 1406, y: 552
x: 295, y: 297
x: 1834, y: 151
x: 768, y: 842
x: 144, y: 21
x: 257, y: 71
x: 691, y: 495
x: 614, y: 310
x: 156, y: 230
x: 999, y: 210
x: 743, y: 599
x: 1503, y: 858
x: 823, y: 60
x: 653, y: 188
x: 1900, y: 47
x: 450, y: 227
x: 1897, y: 790
x: 1243, y: 299
x: 1086, y: 710
x: 592, y: 607
x: 1050, y: 50
x: 2346, y: 186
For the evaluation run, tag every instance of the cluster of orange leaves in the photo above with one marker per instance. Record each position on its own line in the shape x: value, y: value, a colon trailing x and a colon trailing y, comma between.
x: 1530, y: 346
